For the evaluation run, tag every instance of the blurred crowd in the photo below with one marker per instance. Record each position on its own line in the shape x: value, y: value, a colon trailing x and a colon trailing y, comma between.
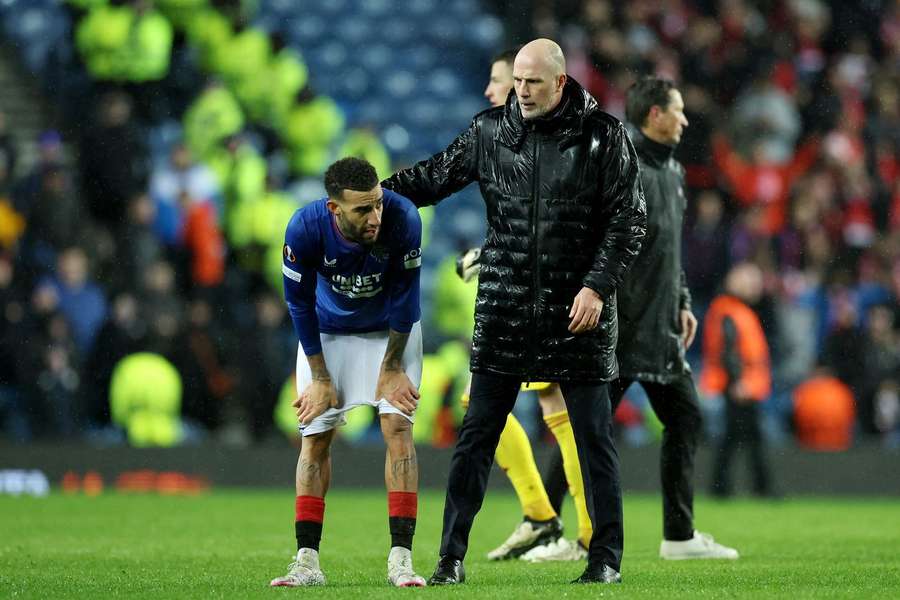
x: 109, y: 247
x: 111, y: 259
x: 792, y: 158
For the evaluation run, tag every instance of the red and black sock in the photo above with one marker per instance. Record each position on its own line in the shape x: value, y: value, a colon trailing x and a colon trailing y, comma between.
x: 308, y: 521
x: 402, y: 509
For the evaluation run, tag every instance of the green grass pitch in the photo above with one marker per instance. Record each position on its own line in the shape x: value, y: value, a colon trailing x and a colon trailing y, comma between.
x: 230, y: 543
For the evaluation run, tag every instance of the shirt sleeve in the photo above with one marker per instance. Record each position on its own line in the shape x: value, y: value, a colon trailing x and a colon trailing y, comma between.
x: 406, y: 267
x: 625, y: 215
x: 684, y: 296
x: 430, y: 181
x: 298, y: 267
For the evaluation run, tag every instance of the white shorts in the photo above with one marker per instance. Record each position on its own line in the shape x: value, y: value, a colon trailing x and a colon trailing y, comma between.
x: 354, y: 362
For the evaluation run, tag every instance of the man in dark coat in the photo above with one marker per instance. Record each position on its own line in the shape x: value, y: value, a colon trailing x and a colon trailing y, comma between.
x: 656, y: 324
x: 565, y: 216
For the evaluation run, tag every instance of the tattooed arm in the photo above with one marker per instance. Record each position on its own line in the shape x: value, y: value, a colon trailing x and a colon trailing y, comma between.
x: 393, y: 383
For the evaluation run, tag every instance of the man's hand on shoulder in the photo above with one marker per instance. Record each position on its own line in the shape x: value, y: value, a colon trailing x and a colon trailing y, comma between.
x: 468, y: 264
x: 318, y: 397
x: 395, y: 387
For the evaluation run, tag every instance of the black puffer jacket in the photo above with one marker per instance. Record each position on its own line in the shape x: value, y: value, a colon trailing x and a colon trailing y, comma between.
x: 654, y: 290
x: 564, y: 210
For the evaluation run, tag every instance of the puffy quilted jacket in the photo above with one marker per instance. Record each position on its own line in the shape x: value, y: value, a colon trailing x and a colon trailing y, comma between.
x: 565, y: 210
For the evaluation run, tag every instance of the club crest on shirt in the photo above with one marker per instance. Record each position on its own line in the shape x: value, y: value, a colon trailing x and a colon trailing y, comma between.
x: 379, y: 252
x: 289, y: 254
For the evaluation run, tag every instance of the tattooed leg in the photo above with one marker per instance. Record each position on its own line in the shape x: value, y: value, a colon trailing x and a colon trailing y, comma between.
x: 401, y: 471
x: 314, y: 465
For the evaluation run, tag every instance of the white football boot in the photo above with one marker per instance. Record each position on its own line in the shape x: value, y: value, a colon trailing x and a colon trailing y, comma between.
x: 303, y: 571
x: 560, y: 550
x: 527, y: 535
x: 702, y: 545
x: 400, y: 569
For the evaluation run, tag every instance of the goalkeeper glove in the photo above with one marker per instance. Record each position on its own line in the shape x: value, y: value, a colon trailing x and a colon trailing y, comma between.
x: 468, y: 264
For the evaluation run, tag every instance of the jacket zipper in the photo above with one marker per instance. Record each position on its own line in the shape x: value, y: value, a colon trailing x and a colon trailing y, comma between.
x: 535, y: 235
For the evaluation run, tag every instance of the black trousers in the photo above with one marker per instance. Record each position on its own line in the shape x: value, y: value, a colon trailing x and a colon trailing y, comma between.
x: 742, y: 429
x: 490, y: 400
x: 678, y: 408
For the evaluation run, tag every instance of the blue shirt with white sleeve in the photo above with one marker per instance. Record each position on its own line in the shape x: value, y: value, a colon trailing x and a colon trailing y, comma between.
x: 334, y: 285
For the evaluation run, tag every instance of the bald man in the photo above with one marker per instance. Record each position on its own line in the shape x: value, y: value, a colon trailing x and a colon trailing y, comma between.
x: 566, y: 216
x: 540, y: 525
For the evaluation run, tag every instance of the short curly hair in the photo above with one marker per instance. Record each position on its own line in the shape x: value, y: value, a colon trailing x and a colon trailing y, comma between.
x: 349, y: 173
x: 647, y: 92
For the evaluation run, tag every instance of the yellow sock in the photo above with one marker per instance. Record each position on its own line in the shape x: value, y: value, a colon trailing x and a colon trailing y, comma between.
x: 562, y: 430
x: 515, y: 457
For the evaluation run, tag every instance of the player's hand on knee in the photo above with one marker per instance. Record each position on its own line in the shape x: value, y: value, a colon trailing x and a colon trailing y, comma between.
x: 468, y: 264
x: 318, y: 397
x: 398, y: 390
x: 300, y: 399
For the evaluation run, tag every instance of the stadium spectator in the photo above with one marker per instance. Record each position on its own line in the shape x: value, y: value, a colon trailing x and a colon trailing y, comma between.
x: 49, y: 147
x: 113, y: 159
x: 706, y: 247
x: 149, y: 414
x: 202, y: 356
x: 79, y: 300
x: 122, y: 334
x: 181, y: 174
x: 9, y: 155
x: 159, y: 298
x: 762, y: 181
x: 13, y: 398
x: 47, y: 364
x: 880, y: 373
x: 768, y: 115
x: 736, y: 365
x: 54, y: 217
x: 842, y: 352
x: 265, y: 360
x: 144, y: 247
x: 213, y: 117
x: 204, y: 242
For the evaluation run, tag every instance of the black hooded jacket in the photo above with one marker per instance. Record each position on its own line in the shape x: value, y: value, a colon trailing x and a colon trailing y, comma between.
x: 565, y: 210
x: 654, y: 290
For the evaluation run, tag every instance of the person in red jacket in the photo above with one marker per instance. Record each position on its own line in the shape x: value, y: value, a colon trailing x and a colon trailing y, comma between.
x: 761, y: 182
x: 736, y: 365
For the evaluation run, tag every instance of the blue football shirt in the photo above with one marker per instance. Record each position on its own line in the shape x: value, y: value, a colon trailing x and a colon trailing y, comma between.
x: 334, y: 285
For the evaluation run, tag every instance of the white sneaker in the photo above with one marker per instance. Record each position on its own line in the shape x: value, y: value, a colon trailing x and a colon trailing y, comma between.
x: 702, y: 545
x: 400, y: 569
x: 560, y: 550
x: 527, y: 535
x: 303, y: 571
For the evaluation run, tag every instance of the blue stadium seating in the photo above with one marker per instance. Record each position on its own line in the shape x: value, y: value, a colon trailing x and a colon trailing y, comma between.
x: 35, y: 28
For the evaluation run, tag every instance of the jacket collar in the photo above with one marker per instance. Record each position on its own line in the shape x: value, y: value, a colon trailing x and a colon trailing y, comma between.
x: 566, y: 122
x: 652, y: 152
